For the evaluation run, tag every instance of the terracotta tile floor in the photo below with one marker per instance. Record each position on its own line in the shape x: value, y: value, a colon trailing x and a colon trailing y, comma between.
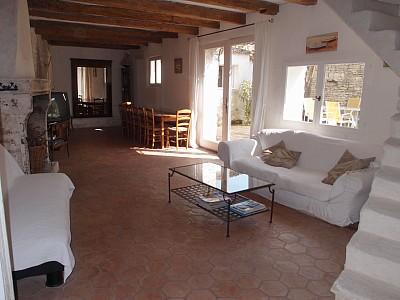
x: 129, y: 243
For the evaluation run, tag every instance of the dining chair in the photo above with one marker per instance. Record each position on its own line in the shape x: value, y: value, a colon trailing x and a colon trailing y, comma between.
x: 124, y: 106
x: 129, y: 120
x: 141, y: 118
x: 153, y: 129
x: 181, y: 130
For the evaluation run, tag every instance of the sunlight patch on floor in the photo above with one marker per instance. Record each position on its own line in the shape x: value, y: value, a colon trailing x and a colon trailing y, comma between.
x: 172, y: 152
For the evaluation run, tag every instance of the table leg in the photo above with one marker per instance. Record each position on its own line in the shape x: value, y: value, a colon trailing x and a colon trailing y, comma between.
x: 169, y: 186
x: 272, y: 191
x: 228, y: 218
x: 162, y: 133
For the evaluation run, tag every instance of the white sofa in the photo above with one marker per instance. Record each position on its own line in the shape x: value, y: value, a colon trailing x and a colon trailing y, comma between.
x: 39, y: 217
x: 301, y: 187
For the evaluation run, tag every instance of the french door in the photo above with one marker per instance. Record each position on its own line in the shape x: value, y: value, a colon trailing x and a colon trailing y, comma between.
x: 227, y: 91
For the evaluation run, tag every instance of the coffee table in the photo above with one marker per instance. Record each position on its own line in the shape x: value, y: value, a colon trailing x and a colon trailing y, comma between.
x: 227, y: 183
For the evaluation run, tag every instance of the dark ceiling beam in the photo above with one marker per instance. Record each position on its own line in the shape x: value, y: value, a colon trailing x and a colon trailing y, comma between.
x: 303, y: 2
x: 88, y: 31
x: 82, y: 9
x: 174, y: 9
x: 91, y: 45
x: 66, y: 37
x: 120, y: 22
x: 244, y: 5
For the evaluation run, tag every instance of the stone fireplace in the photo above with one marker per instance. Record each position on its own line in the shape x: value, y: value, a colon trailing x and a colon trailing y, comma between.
x: 25, y: 84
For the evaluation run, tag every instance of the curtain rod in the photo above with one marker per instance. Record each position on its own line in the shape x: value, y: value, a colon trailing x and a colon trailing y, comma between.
x: 247, y: 25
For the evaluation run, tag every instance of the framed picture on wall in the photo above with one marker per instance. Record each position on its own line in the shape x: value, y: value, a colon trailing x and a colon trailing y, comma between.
x: 322, y: 43
x: 178, y: 65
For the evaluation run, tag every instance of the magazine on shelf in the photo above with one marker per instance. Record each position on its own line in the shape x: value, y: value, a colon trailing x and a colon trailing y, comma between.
x: 211, y: 200
x: 248, y: 207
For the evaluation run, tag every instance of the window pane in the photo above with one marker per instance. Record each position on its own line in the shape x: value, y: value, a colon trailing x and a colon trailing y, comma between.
x: 301, y: 86
x: 152, y: 72
x: 158, y: 71
x: 343, y: 87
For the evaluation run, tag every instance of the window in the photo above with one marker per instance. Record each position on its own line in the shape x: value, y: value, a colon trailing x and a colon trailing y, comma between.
x: 301, y: 90
x: 155, y: 71
x: 341, y: 89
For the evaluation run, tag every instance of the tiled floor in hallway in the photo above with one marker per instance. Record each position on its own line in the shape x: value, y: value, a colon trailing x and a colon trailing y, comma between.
x: 129, y: 243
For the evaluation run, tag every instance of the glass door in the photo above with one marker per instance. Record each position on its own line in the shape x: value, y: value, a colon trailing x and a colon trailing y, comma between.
x: 213, y: 97
x: 227, y: 91
x: 240, y: 90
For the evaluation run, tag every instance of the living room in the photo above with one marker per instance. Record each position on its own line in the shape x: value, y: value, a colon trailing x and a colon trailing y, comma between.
x: 115, y: 193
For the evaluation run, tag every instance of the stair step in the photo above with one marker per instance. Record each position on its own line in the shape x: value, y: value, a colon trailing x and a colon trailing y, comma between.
x: 383, y: 21
x: 374, y: 256
x: 395, y: 126
x: 386, y: 184
x: 380, y: 216
x: 374, y: 5
x: 352, y: 285
x: 391, y: 153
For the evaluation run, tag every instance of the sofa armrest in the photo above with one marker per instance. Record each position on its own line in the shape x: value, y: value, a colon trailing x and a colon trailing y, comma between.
x: 233, y: 150
x: 354, y: 182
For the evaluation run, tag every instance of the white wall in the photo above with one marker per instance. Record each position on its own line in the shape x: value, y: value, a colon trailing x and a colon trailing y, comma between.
x: 381, y: 86
x: 61, y: 61
x: 173, y: 93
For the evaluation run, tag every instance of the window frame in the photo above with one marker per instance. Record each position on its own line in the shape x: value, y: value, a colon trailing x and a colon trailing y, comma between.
x: 321, y: 77
x: 150, y: 60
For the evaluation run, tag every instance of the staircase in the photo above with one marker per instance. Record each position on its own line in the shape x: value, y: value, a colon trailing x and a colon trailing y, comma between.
x: 372, y: 269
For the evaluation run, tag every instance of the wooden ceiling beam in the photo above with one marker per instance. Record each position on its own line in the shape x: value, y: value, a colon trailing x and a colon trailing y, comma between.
x: 120, y: 22
x: 66, y: 37
x: 303, y: 2
x: 91, y: 45
x: 174, y: 9
x: 244, y: 5
x: 84, y: 30
x: 82, y: 9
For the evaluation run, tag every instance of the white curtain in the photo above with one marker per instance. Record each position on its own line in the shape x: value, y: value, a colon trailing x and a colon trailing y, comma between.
x: 261, y: 75
x: 195, y: 83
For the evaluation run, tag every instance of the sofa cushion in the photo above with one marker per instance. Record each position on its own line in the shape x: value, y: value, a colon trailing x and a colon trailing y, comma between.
x: 255, y: 167
x: 281, y: 157
x: 305, y: 182
x: 348, y: 162
x: 297, y: 180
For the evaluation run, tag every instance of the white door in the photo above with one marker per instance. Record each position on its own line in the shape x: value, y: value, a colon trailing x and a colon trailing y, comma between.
x: 227, y: 91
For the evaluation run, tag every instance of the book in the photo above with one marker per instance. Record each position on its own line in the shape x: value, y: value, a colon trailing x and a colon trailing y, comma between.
x: 211, y: 200
x: 248, y: 207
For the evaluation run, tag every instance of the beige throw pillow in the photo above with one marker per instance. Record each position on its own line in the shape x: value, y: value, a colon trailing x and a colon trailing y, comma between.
x: 348, y: 162
x: 279, y: 156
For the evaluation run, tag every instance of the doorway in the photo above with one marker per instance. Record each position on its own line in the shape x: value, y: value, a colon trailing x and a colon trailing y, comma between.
x: 227, y: 91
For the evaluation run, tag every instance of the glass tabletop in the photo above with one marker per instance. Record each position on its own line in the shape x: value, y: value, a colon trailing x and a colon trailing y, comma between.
x: 221, y: 178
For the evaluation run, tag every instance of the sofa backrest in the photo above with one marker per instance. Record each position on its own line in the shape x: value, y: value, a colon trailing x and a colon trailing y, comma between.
x: 9, y: 169
x: 318, y: 152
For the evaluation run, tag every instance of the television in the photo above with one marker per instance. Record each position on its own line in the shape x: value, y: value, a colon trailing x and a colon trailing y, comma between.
x: 59, y: 110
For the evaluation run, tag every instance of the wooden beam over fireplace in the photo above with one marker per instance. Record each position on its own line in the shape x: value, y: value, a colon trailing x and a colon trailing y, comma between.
x: 84, y: 31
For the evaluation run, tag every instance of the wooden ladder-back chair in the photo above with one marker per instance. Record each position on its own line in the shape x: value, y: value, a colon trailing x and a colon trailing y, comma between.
x: 141, y: 118
x: 181, y: 131
x: 153, y: 129
x: 129, y: 120
x: 124, y: 123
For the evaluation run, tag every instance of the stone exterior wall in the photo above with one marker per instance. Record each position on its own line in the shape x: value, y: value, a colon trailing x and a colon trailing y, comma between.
x: 342, y: 81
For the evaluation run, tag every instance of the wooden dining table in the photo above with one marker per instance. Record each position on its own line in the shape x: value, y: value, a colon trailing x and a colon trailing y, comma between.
x: 164, y: 117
